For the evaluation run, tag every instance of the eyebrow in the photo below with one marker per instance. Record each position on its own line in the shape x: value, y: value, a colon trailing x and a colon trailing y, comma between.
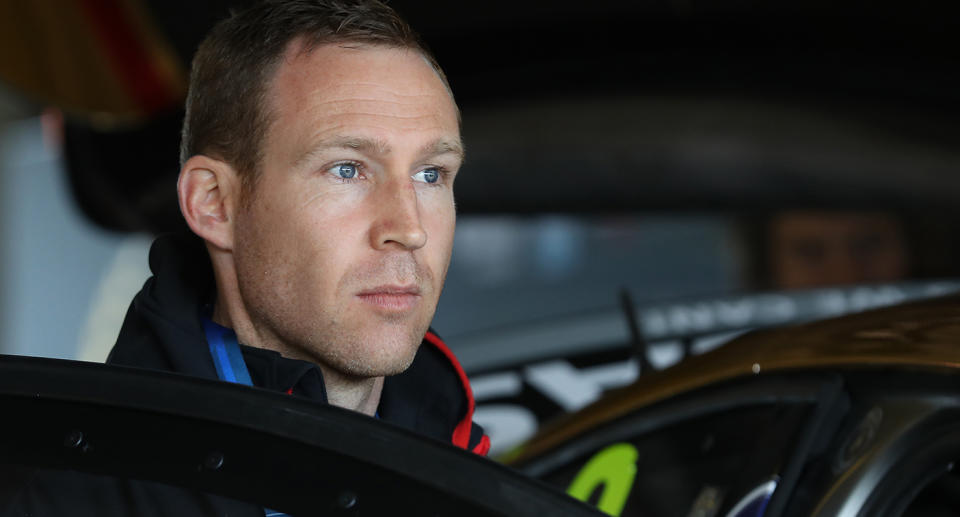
x: 444, y: 146
x: 379, y: 147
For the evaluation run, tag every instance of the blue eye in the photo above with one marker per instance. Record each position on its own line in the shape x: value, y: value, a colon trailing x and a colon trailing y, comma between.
x: 345, y: 170
x: 427, y: 175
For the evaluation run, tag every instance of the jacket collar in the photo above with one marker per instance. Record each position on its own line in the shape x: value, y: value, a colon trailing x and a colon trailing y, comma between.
x: 163, y: 330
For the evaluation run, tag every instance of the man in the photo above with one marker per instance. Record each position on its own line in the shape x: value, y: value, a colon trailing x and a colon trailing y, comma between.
x: 319, y: 150
x: 808, y: 249
x: 320, y: 146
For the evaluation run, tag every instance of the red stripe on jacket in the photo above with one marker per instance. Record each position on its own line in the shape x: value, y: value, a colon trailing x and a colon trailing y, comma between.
x: 461, y: 433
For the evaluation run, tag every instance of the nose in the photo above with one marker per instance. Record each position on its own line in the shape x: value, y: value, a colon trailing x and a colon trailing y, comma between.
x: 397, y: 222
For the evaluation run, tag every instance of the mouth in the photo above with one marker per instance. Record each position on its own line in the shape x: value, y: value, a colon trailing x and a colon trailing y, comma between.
x: 391, y: 298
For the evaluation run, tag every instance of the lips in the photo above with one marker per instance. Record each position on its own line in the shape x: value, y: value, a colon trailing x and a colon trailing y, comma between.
x: 391, y: 298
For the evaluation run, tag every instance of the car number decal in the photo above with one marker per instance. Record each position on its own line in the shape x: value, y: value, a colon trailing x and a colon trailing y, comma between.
x: 614, y: 468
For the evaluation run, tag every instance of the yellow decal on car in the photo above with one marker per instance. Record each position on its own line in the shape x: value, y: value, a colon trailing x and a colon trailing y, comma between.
x: 613, y: 467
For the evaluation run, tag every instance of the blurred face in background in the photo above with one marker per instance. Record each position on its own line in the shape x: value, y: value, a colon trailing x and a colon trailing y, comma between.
x: 812, y: 249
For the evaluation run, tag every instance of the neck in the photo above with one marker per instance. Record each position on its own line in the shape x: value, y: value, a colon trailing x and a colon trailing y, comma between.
x: 361, y: 394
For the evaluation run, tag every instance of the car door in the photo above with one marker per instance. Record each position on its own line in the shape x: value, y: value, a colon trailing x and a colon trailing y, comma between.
x: 87, y: 439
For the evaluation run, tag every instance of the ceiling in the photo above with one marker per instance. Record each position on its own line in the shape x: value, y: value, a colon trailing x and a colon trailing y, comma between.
x: 570, y: 106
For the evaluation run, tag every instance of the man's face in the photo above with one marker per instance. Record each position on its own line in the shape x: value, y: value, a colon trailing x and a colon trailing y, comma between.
x: 343, y: 246
x: 814, y: 249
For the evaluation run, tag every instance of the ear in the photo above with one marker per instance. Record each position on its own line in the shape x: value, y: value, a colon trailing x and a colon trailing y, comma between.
x: 209, y: 191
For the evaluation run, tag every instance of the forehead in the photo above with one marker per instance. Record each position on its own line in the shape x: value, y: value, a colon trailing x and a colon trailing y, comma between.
x: 381, y: 92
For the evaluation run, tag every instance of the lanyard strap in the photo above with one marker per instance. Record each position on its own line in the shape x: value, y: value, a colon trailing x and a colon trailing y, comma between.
x: 226, y: 354
x: 228, y: 360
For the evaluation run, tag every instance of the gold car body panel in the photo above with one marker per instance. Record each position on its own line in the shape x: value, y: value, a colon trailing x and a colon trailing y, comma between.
x: 923, y: 335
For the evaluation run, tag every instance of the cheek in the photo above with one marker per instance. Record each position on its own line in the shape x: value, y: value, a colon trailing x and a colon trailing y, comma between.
x: 334, y: 245
x: 300, y: 242
x: 440, y: 223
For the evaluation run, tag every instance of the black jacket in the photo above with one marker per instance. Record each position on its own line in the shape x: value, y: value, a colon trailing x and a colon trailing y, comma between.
x: 163, y: 331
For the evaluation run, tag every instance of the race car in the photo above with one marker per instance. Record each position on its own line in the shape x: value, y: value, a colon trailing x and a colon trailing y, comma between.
x: 853, y: 416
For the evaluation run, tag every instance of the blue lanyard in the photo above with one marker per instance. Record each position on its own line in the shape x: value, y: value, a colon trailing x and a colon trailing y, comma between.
x: 226, y: 354
x: 227, y: 357
x: 228, y: 360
